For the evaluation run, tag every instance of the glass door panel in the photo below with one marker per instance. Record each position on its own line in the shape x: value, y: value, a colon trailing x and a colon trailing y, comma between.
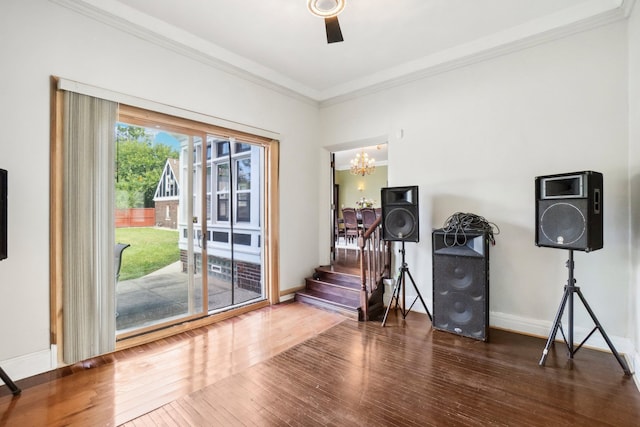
x: 235, y: 255
x: 159, y: 281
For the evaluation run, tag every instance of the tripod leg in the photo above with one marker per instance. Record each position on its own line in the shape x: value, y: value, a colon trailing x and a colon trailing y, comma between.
x: 622, y: 363
x: 419, y: 296
x: 556, y: 324
x: 12, y: 386
x: 394, y: 294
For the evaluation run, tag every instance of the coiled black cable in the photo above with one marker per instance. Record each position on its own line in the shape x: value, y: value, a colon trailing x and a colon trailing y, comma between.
x: 459, y: 223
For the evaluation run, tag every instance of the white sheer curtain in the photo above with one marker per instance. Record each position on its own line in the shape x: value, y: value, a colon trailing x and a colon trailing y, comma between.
x: 88, y: 238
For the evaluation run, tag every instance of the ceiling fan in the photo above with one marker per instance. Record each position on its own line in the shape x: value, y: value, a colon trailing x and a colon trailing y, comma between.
x: 329, y: 10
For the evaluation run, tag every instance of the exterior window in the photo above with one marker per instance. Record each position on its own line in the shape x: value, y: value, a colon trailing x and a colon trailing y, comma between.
x: 241, y: 147
x: 223, y: 177
x: 243, y: 213
x: 223, y: 192
x: 208, y: 195
x: 223, y: 207
x: 222, y: 148
x: 243, y: 190
x: 244, y: 174
x: 226, y: 201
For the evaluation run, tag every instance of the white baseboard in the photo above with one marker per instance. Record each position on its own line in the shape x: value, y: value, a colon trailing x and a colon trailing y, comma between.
x: 543, y: 329
x: 29, y: 365
x: 634, y: 362
x: 287, y: 297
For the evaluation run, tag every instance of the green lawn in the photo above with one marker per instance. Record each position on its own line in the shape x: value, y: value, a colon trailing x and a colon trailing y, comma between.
x: 151, y: 249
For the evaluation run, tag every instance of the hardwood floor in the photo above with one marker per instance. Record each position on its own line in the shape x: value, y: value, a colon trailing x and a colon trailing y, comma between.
x: 408, y: 374
x: 296, y: 365
x: 119, y: 387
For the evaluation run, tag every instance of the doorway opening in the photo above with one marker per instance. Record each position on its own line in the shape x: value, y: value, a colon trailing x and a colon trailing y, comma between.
x: 352, y: 191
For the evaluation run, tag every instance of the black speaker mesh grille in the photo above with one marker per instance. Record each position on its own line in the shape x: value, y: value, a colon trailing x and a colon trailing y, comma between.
x: 400, y: 223
x: 459, y: 310
x: 459, y: 290
x: 563, y: 224
x: 461, y: 286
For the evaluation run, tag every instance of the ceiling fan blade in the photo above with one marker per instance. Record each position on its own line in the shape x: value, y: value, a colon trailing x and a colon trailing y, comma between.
x: 334, y: 34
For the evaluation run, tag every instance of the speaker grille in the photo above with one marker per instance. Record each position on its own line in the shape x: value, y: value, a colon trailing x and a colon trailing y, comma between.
x: 563, y: 223
x: 401, y: 223
x: 461, y: 285
x: 459, y: 310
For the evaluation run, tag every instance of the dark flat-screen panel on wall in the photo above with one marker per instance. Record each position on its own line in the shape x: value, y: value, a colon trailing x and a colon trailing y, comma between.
x: 3, y: 213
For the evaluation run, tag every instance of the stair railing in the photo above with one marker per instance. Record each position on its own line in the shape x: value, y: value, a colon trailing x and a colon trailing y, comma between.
x: 375, y: 261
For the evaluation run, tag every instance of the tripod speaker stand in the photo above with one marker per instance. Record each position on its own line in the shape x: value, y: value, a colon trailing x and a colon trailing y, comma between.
x: 12, y: 386
x: 401, y: 285
x: 569, y: 289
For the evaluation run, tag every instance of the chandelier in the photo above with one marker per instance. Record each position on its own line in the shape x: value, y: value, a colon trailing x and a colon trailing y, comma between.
x: 362, y: 164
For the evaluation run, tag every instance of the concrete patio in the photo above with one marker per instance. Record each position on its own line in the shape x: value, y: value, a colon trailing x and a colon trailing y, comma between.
x: 162, y: 295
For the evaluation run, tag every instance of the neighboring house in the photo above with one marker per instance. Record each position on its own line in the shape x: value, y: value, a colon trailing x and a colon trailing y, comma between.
x: 232, y: 225
x: 167, y: 196
x: 232, y: 210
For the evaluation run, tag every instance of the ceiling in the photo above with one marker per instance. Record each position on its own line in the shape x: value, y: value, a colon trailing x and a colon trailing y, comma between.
x: 280, y: 43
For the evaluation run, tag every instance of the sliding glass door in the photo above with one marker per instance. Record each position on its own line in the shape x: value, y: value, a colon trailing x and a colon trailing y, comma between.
x: 189, y: 225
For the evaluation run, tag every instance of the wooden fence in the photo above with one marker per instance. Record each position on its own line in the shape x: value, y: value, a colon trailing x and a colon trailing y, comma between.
x: 135, y: 217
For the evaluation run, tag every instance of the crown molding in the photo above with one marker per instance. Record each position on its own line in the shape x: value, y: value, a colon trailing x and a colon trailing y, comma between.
x: 145, y: 27
x: 552, y: 27
x: 585, y: 16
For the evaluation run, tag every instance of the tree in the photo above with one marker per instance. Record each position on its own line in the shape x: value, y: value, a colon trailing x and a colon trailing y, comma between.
x: 139, y: 165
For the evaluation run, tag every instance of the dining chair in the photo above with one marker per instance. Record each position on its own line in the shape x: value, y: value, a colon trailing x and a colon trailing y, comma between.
x: 368, y: 217
x: 350, y: 224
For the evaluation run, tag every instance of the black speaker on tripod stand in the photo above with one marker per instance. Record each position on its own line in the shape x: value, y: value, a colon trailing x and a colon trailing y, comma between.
x: 569, y: 210
x: 400, y: 223
x: 400, y: 214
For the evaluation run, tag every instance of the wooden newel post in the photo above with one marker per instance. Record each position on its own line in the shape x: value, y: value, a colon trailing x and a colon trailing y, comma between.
x: 364, y: 297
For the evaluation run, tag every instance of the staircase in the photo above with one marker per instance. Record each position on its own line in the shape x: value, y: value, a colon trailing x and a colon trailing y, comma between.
x: 340, y: 293
x: 356, y: 292
x: 334, y: 291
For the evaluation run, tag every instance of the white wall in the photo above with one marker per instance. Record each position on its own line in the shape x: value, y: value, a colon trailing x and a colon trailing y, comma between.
x: 40, y: 39
x: 634, y: 177
x: 475, y: 138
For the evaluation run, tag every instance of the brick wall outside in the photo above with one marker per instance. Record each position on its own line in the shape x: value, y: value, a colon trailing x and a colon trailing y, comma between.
x: 161, y: 214
x: 247, y: 275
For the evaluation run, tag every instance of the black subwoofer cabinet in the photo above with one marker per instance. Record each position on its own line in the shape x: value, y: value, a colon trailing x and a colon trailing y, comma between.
x: 461, y: 283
